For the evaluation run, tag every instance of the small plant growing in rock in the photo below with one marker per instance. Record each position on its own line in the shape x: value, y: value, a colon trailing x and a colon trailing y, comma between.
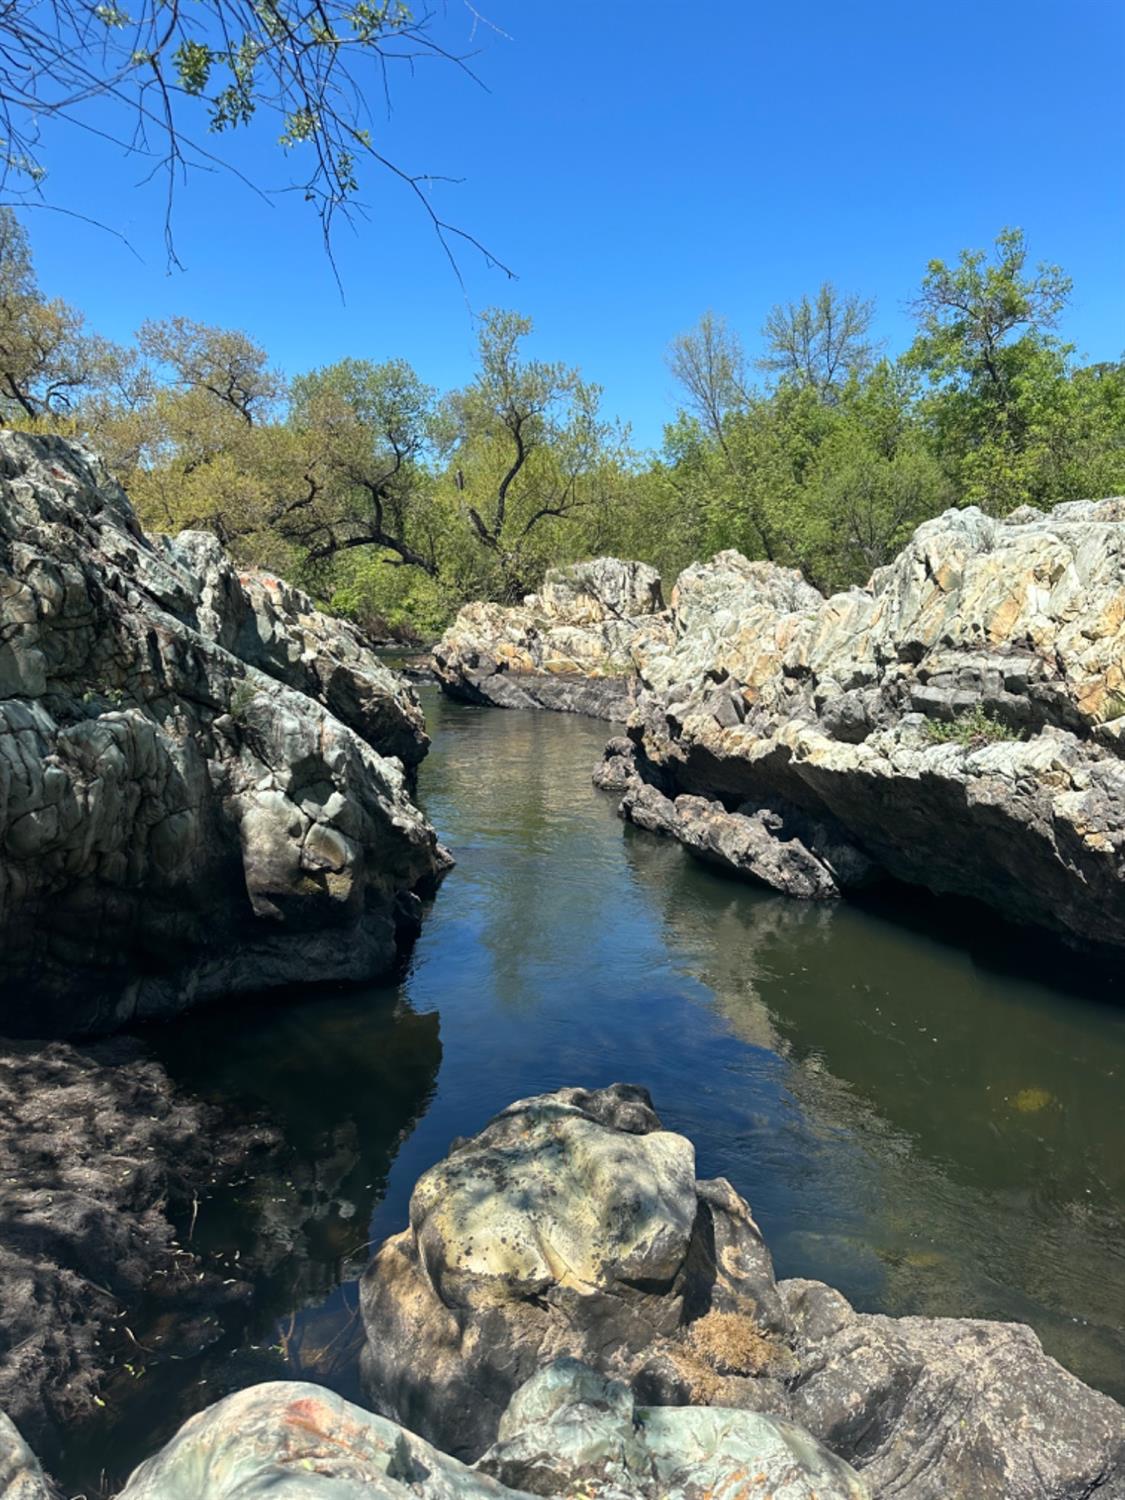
x: 975, y: 729
x: 240, y: 701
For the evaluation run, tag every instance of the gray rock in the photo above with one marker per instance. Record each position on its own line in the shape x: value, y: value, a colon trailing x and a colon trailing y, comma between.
x: 21, y: 1478
x: 949, y: 1408
x: 287, y: 1440
x: 179, y: 821
x: 764, y: 694
x: 571, y: 1225
x: 568, y: 648
x: 570, y: 1431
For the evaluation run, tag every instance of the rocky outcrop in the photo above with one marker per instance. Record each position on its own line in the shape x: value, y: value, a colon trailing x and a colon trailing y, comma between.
x: 573, y: 1227
x: 959, y: 722
x: 569, y: 647
x: 204, y: 784
x: 567, y: 1432
x: 94, y: 1146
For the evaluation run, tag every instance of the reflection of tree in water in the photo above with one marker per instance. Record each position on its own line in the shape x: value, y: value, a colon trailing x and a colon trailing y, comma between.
x: 980, y: 1106
x: 509, y: 790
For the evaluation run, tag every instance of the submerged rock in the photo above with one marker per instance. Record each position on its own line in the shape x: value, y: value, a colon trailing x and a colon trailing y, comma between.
x: 204, y: 784
x: 94, y: 1145
x: 569, y: 647
x: 959, y: 721
x: 572, y: 1227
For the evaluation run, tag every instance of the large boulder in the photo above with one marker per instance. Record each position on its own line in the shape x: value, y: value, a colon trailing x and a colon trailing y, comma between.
x: 571, y: 1228
x: 567, y: 1432
x: 571, y: 1225
x: 184, y: 812
x: 960, y: 721
x: 21, y: 1477
x: 569, y: 647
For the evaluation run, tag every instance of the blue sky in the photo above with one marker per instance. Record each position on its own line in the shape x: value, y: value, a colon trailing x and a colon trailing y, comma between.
x: 638, y: 161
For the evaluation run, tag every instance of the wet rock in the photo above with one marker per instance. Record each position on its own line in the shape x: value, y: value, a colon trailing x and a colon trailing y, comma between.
x: 571, y: 1225
x: 179, y: 821
x: 570, y: 1431
x: 763, y: 690
x: 617, y: 769
x: 94, y: 1146
x: 286, y: 1440
x: 568, y: 647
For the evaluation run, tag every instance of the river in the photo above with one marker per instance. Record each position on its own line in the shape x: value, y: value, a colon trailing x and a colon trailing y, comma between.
x: 922, y: 1107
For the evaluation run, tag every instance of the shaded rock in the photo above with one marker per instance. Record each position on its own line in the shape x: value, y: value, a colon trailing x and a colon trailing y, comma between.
x: 763, y: 690
x: 568, y: 647
x: 178, y: 822
x: 21, y: 1477
x: 94, y: 1145
x: 949, y: 1408
x: 290, y: 1440
x: 776, y: 846
x: 570, y: 1431
x: 571, y: 1225
x: 617, y: 768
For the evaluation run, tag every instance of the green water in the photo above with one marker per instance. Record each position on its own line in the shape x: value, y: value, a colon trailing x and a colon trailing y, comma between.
x: 922, y: 1106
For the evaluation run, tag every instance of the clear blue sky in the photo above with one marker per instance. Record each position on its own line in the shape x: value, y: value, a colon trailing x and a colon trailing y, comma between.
x: 637, y: 163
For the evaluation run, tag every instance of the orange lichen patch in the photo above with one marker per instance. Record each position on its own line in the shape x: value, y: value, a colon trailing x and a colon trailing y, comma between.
x: 731, y: 1344
x: 1003, y: 621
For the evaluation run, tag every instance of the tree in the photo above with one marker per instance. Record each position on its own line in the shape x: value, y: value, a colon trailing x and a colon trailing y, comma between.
x: 163, y: 82
x: 710, y: 365
x: 819, y: 344
x: 986, y: 346
x: 223, y: 363
x: 47, y: 359
x: 527, y: 448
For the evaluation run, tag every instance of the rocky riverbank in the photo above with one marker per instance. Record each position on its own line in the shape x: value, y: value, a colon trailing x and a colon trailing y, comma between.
x: 204, y: 783
x: 571, y: 1311
x: 958, y: 723
x: 570, y: 647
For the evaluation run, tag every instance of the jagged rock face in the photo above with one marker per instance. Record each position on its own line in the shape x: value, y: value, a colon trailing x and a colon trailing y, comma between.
x: 771, y: 692
x: 568, y: 1431
x: 21, y: 1477
x: 569, y: 647
x: 571, y: 1225
x: 183, y: 812
x: 571, y: 1228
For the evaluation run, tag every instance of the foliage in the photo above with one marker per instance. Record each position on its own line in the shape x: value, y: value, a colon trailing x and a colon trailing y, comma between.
x: 395, y: 504
x: 167, y: 83
x: 974, y: 729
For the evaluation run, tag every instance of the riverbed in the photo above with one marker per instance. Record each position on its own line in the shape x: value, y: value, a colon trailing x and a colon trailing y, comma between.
x: 921, y: 1106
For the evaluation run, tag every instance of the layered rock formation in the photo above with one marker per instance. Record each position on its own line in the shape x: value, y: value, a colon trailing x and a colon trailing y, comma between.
x: 573, y: 1227
x: 959, y: 723
x: 569, y: 647
x: 204, y: 784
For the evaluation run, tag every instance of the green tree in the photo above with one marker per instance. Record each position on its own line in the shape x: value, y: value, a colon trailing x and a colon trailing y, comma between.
x: 819, y: 343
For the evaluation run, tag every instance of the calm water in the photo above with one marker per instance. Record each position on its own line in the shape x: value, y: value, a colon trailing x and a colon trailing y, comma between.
x: 920, y: 1108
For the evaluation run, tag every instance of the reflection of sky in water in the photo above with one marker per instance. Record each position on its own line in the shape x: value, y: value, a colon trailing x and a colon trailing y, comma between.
x: 908, y: 1118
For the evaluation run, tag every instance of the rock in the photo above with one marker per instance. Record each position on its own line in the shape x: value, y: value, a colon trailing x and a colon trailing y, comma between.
x: 21, y: 1477
x: 617, y: 769
x: 949, y: 1408
x: 184, y: 812
x: 571, y: 1229
x: 287, y: 1440
x: 767, y: 696
x: 571, y: 1225
x: 94, y: 1144
x: 570, y: 1431
x: 567, y: 648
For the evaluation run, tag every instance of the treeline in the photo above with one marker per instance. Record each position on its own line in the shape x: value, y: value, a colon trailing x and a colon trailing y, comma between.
x: 395, y: 504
